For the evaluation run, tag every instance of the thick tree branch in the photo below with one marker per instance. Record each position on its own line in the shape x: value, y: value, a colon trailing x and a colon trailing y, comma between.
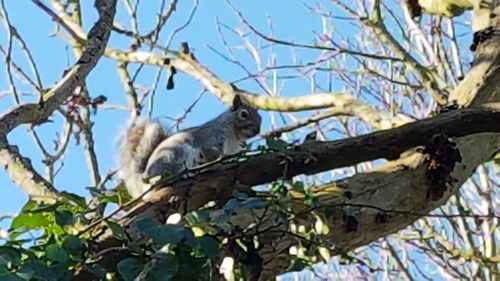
x: 482, y: 9
x: 400, y: 184
x: 18, y: 167
x: 404, y: 179
x: 314, y: 157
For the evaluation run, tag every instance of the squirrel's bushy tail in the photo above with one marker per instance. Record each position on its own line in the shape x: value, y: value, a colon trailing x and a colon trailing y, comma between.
x: 140, y: 140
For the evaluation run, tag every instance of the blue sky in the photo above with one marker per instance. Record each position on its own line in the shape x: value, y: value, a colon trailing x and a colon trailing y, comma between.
x: 290, y: 22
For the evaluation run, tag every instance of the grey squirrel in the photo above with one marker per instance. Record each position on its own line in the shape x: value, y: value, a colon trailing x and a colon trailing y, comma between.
x: 148, y: 150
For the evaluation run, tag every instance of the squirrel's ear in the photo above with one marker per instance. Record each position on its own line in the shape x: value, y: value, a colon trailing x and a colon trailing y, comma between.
x: 236, y: 102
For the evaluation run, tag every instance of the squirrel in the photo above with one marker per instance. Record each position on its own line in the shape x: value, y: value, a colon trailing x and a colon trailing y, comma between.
x: 148, y: 150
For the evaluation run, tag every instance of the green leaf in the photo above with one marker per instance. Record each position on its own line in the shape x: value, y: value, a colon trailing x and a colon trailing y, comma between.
x: 64, y: 217
x: 280, y: 217
x: 25, y: 274
x: 188, y: 238
x: 198, y: 216
x: 209, y: 246
x: 97, y: 270
x: 253, y: 203
x: 276, y: 144
x: 9, y: 255
x: 40, y: 269
x: 220, y: 219
x: 161, y: 234
x: 117, y: 230
x: 57, y: 271
x: 231, y: 206
x: 298, y: 186
x: 130, y: 268
x: 73, y: 244
x: 310, y: 199
x: 164, y: 268
x: 77, y: 199
x: 94, y: 191
x: 114, y: 198
x: 30, y: 221
x: 299, y: 264
x: 191, y: 267
x: 57, y: 253
x: 9, y: 276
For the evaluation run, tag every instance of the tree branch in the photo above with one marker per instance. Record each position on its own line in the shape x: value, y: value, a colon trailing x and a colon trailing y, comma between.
x: 187, y: 63
x: 314, y: 157
x: 401, y: 183
x: 18, y: 167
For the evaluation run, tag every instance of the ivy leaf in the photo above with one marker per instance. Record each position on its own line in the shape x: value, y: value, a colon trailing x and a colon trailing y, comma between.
x: 161, y: 234
x: 44, y: 208
x: 9, y: 255
x: 77, y: 199
x: 253, y: 203
x: 57, y: 253
x: 209, y: 246
x: 30, y: 221
x: 189, y: 238
x: 73, y: 245
x: 39, y: 269
x: 231, y: 206
x: 299, y: 264
x: 310, y: 199
x: 220, y: 219
x: 298, y: 186
x: 117, y: 230
x: 9, y: 276
x: 276, y: 144
x: 198, y: 216
x: 94, y: 191
x: 191, y: 267
x: 97, y: 270
x: 129, y: 268
x: 57, y: 271
x: 63, y: 217
x: 164, y: 268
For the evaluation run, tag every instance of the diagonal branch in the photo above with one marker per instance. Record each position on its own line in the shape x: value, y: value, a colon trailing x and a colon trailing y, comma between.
x: 401, y: 184
x: 342, y: 102
x: 20, y: 168
x: 314, y: 157
x: 404, y: 179
x: 187, y: 63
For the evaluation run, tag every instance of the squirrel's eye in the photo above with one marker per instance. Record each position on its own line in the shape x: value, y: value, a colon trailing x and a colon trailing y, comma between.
x: 244, y: 114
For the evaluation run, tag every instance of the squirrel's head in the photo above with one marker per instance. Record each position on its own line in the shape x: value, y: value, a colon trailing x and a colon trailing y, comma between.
x: 246, y: 118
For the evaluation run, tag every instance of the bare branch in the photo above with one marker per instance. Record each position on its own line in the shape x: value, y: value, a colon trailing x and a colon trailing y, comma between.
x: 18, y: 167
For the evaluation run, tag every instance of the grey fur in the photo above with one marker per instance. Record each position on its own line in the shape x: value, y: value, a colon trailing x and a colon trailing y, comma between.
x: 148, y: 151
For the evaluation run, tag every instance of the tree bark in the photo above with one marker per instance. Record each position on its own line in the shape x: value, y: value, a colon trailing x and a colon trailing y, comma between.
x: 397, y: 188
